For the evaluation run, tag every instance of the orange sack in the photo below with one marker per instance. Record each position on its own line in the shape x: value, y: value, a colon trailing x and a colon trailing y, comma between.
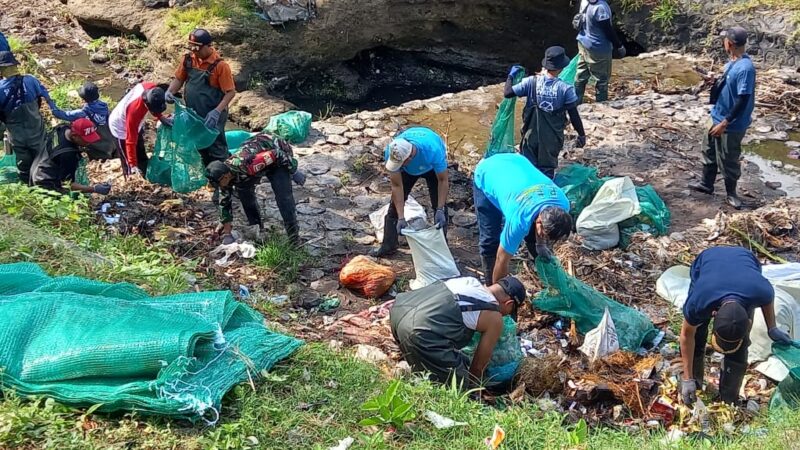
x: 366, y: 277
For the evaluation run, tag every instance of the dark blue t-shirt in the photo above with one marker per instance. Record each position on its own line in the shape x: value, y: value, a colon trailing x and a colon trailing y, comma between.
x: 740, y: 80
x: 4, y: 47
x: 725, y: 273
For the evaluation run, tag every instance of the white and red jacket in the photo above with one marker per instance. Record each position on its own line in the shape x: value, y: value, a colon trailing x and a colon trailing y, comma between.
x: 127, y: 119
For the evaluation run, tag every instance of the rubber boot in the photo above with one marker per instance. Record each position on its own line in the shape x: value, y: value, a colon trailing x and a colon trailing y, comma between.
x: 730, y: 380
x: 732, y: 199
x: 707, y: 185
x: 488, y: 269
x: 390, y: 240
x: 293, y: 232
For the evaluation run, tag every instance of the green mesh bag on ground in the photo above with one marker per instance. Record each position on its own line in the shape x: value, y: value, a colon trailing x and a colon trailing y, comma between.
x: 501, y: 139
x: 291, y: 125
x: 569, y: 297
x: 84, y: 343
x: 654, y: 217
x: 8, y: 169
x: 82, y: 174
x: 506, y: 356
x: 787, y: 394
x: 236, y: 138
x: 580, y: 184
x: 570, y: 72
x: 176, y: 161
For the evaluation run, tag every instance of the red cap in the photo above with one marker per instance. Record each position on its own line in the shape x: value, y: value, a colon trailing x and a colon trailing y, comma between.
x: 86, y: 130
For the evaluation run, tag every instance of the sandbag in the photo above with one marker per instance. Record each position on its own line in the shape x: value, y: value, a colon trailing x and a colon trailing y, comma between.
x: 291, y: 125
x: 580, y: 184
x: 501, y: 138
x: 366, y: 277
x: 601, y: 341
x: 431, y: 255
x: 413, y: 212
x: 506, y: 356
x: 615, y: 201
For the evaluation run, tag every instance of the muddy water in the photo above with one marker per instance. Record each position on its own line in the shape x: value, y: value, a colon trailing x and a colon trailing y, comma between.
x: 665, y: 72
x: 763, y: 154
x: 77, y: 66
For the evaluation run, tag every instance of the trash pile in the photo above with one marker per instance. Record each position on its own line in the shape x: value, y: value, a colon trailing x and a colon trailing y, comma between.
x: 278, y: 12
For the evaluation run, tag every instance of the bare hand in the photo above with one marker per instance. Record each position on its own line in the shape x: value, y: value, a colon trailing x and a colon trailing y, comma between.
x: 719, y: 129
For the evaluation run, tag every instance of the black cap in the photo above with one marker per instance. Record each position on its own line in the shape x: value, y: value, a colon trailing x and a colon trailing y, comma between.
x: 215, y: 170
x: 200, y: 36
x: 737, y: 36
x: 730, y: 326
x: 7, y: 59
x: 155, y: 101
x: 89, y: 92
x: 513, y: 288
x: 555, y: 58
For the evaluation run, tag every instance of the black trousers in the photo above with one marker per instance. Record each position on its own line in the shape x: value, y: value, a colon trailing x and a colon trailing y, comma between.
x: 141, y: 155
x: 281, y: 181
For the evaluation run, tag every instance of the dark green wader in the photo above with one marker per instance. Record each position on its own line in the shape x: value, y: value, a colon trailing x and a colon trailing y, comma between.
x: 543, y: 136
x: 429, y: 329
x: 27, y: 135
x: 202, y: 98
x: 106, y: 147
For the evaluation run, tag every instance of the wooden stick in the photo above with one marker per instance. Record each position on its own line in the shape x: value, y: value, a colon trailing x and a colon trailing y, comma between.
x: 757, y: 246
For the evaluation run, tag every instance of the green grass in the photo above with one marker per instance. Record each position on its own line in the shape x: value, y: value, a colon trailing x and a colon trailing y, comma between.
x: 664, y: 13
x: 22, y: 51
x: 280, y: 256
x: 203, y: 13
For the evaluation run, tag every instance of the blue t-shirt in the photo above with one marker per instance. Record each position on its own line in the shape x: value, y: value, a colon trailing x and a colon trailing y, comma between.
x: 11, y: 99
x: 723, y: 273
x: 431, y: 151
x: 4, y: 47
x: 96, y: 111
x: 592, y: 36
x: 551, y: 92
x: 517, y: 188
x: 740, y: 80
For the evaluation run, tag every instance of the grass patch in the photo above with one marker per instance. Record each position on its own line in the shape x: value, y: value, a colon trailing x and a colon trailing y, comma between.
x: 280, y: 256
x: 22, y: 51
x: 203, y: 13
x: 65, y: 94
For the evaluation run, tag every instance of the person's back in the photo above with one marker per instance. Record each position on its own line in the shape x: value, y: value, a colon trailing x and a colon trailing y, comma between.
x: 593, y: 36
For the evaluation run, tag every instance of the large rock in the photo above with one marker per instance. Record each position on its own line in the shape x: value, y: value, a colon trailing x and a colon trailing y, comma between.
x: 252, y: 109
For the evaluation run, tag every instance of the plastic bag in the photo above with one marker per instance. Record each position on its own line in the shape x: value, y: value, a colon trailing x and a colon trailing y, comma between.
x: 8, y: 169
x: 580, y: 184
x: 568, y: 74
x: 506, y: 355
x: 615, y: 201
x: 291, y: 125
x: 501, y: 139
x: 602, y: 340
x: 654, y: 217
x: 82, y: 174
x: 366, y: 277
x: 413, y: 212
x: 236, y: 138
x: 432, y: 258
x: 787, y: 394
x: 569, y: 297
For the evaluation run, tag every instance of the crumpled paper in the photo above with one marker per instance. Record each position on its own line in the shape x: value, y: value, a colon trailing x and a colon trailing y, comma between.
x: 442, y: 422
x: 245, y: 250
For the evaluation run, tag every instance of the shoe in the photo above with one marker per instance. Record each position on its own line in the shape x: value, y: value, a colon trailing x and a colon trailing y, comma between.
x: 730, y: 380
x: 700, y: 187
x: 390, y: 242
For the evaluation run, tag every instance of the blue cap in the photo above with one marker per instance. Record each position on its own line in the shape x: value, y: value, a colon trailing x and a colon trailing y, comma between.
x: 7, y: 59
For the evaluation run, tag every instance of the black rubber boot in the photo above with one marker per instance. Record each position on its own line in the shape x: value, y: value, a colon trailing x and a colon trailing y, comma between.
x: 732, y: 199
x: 390, y: 240
x: 488, y: 269
x: 293, y: 232
x: 706, y: 186
x: 730, y: 380
x: 698, y: 369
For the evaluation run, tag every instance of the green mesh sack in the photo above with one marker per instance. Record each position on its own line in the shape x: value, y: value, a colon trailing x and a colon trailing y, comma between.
x: 569, y: 297
x: 82, y: 173
x: 501, y: 139
x: 654, y: 217
x: 580, y: 184
x: 787, y: 394
x: 236, y: 138
x: 177, y: 148
x: 568, y: 74
x: 291, y: 125
x: 84, y: 342
x: 506, y: 356
x: 8, y: 169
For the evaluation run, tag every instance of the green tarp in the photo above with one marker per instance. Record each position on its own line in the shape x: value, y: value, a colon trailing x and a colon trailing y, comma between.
x: 84, y: 342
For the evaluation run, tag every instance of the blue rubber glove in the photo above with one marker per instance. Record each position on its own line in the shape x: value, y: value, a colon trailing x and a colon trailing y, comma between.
x: 212, y: 118
x: 440, y: 219
x: 299, y: 178
x: 102, y: 189
x: 515, y: 69
x: 779, y: 336
x: 169, y: 97
x: 688, y: 391
x: 401, y: 224
x: 228, y: 239
x: 167, y: 120
x: 543, y: 251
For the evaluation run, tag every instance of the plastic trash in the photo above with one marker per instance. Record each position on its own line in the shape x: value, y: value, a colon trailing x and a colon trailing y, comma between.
x: 615, y: 202
x: 236, y: 138
x: 245, y: 250
x: 344, y: 444
x: 654, y: 218
x: 787, y: 394
x: 602, y: 340
x: 580, y: 184
x: 498, y: 436
x: 506, y: 356
x: 291, y: 125
x: 442, y: 422
x: 329, y: 304
x: 366, y: 277
x: 413, y: 212
x: 501, y: 138
x: 431, y: 255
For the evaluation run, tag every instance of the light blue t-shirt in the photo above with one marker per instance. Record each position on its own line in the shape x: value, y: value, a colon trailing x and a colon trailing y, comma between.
x: 551, y: 92
x: 592, y: 36
x: 517, y: 188
x: 431, y: 151
x: 740, y: 80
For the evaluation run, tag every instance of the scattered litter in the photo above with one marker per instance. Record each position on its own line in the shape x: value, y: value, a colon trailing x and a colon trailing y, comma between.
x: 278, y: 299
x: 111, y: 219
x: 370, y: 354
x: 244, y: 292
x: 244, y: 249
x: 329, y: 304
x: 602, y: 340
x: 344, y: 444
x: 277, y: 12
x: 498, y: 436
x: 367, y: 277
x: 441, y: 422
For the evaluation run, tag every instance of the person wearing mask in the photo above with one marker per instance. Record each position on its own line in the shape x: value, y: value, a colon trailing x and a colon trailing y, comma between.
x: 58, y: 162
x: 208, y: 89
x: 514, y: 201
x: 726, y: 285
x: 417, y: 152
x: 263, y: 155
x: 126, y: 123
x: 20, y: 99
x: 432, y: 324
x: 97, y: 111
x: 544, y: 118
x: 598, y: 43
x: 733, y: 97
